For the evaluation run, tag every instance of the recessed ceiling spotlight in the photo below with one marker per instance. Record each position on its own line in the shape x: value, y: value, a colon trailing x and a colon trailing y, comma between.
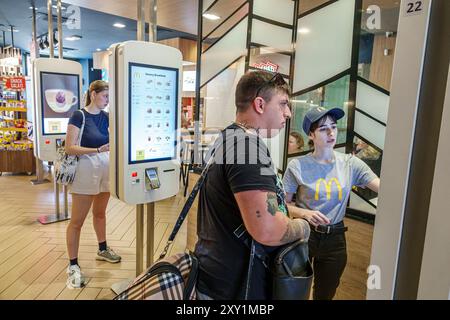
x: 210, y: 16
x: 31, y: 8
x: 73, y: 38
x: 98, y: 49
x: 56, y: 7
x: 119, y: 25
x: 304, y: 30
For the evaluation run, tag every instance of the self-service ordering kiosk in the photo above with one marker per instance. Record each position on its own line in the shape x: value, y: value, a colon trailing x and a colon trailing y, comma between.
x: 57, y: 84
x: 144, y: 121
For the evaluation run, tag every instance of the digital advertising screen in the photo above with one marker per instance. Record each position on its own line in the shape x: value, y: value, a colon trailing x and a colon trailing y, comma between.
x: 59, y: 99
x: 153, y: 99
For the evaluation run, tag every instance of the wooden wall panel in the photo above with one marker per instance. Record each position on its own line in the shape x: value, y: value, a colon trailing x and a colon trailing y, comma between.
x: 187, y: 47
x: 381, y: 67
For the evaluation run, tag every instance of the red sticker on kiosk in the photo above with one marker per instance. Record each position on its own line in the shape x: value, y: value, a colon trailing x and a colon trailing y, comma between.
x: 15, y: 83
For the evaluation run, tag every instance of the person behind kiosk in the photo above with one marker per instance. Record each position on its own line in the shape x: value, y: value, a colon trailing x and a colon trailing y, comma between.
x: 91, y: 183
x: 322, y: 181
x: 240, y: 192
x: 295, y: 142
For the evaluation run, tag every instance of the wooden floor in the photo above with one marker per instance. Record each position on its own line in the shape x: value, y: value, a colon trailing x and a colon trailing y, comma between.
x: 33, y: 257
x: 359, y: 243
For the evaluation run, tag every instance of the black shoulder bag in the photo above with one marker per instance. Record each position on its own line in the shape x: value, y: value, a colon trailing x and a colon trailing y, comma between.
x: 290, y: 267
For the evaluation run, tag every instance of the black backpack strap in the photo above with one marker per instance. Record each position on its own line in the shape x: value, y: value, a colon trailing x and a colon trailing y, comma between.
x: 184, y: 212
x: 256, y: 248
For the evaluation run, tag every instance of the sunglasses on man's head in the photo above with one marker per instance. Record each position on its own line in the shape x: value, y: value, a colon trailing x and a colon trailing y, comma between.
x: 277, y: 80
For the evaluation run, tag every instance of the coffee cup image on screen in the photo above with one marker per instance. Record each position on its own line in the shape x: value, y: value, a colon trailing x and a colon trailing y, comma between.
x: 60, y: 100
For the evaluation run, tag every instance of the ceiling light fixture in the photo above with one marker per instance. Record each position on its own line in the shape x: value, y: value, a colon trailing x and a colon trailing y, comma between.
x: 98, y: 49
x: 304, y: 31
x: 73, y: 38
x: 119, y: 25
x: 210, y: 16
x: 188, y: 63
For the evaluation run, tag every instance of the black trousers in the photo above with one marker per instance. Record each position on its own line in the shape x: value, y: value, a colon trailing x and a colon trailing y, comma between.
x: 328, y: 253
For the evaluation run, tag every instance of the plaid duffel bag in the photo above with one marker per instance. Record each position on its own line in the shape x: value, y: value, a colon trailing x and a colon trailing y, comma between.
x: 172, y: 278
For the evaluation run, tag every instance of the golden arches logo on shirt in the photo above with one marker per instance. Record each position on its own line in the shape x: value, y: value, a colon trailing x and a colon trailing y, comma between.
x: 328, y: 188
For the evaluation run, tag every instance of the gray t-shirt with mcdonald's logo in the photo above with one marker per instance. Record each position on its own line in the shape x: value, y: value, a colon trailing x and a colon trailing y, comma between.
x: 326, y: 187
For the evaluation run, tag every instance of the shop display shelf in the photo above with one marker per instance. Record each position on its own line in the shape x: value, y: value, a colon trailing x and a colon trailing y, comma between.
x: 14, y: 129
x: 13, y: 109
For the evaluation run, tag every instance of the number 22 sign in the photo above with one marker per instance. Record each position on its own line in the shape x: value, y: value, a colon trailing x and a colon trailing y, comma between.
x: 413, y: 7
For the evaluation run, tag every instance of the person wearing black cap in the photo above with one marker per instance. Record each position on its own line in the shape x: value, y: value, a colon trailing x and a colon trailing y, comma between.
x: 322, y: 181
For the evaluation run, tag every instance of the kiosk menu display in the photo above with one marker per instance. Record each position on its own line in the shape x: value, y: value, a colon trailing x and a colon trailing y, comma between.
x: 153, y: 96
x: 144, y: 121
x: 59, y: 99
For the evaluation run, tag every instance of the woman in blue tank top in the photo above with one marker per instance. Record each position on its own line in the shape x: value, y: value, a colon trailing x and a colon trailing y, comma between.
x: 91, y: 184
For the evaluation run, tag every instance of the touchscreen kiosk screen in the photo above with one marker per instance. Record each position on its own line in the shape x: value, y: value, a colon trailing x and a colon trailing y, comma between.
x: 59, y: 99
x: 153, y: 98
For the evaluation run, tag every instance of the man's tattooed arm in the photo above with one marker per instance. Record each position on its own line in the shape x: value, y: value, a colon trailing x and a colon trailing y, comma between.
x: 282, y: 226
x: 296, y: 229
x: 272, y: 203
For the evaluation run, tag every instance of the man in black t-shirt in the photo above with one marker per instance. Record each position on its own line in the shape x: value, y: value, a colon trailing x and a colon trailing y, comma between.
x: 242, y: 188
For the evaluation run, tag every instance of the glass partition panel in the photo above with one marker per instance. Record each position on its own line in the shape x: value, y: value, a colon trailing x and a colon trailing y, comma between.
x: 370, y: 129
x: 372, y: 101
x: 329, y: 96
x: 224, y: 52
x: 219, y: 109
x: 379, y: 23
x: 324, y: 44
x: 210, y: 38
x: 278, y: 10
x: 222, y: 10
x: 271, y: 35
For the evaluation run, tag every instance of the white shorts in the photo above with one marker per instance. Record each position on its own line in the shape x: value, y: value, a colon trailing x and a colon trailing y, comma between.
x: 92, y: 175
